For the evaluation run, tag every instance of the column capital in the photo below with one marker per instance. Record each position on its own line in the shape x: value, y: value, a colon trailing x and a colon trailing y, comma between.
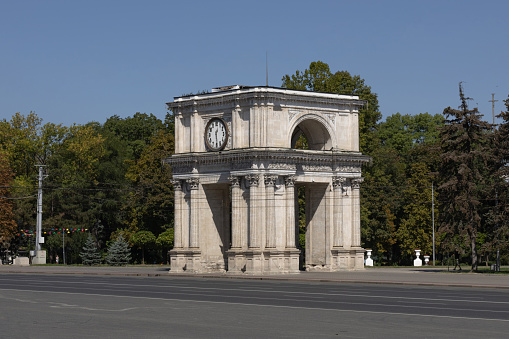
x: 177, y: 184
x: 356, y: 182
x: 193, y: 183
x: 337, y: 182
x: 235, y: 180
x: 253, y: 179
x: 290, y: 181
x: 270, y: 180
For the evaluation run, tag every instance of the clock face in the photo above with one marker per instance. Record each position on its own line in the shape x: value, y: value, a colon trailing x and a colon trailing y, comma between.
x: 216, y: 134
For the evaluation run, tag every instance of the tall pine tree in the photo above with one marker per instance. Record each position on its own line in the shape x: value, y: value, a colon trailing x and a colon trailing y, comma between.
x: 465, y: 145
x: 500, y: 194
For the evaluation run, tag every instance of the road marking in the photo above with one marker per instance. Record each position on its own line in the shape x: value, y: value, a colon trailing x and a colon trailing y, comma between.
x: 267, y: 305
x: 346, y: 294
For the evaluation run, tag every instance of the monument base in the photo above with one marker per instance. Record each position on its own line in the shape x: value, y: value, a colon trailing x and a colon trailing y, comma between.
x: 263, y: 261
x: 185, y: 261
x: 347, y: 259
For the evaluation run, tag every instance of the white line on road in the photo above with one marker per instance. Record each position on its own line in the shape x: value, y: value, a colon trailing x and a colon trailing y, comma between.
x: 265, y: 305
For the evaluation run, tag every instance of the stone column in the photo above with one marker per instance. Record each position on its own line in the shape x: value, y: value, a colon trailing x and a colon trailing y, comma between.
x: 194, y: 224
x: 337, y: 184
x: 290, y: 211
x: 237, y: 231
x: 270, y: 184
x: 254, y: 210
x: 177, y: 224
x: 356, y: 212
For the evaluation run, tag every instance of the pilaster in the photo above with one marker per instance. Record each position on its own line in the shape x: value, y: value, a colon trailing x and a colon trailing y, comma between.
x: 356, y: 212
x: 254, y: 211
x: 194, y: 223
x: 270, y: 184
x: 337, y: 187
x: 290, y: 212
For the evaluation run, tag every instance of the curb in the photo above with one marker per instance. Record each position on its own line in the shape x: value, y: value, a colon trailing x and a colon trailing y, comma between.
x: 290, y: 278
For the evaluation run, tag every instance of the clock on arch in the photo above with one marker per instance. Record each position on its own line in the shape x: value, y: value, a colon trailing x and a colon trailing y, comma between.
x: 216, y: 134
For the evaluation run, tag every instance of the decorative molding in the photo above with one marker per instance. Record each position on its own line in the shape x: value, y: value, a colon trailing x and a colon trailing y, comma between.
x: 351, y: 169
x: 292, y: 113
x: 177, y: 184
x: 290, y: 181
x: 253, y: 179
x: 282, y: 166
x: 332, y: 118
x: 356, y: 183
x: 242, y: 165
x: 182, y: 169
x: 270, y: 180
x: 337, y: 182
x: 193, y: 183
x: 235, y: 180
x: 317, y: 168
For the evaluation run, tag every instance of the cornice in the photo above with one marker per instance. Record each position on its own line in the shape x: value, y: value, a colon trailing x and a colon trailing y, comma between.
x: 264, y: 96
x: 269, y: 159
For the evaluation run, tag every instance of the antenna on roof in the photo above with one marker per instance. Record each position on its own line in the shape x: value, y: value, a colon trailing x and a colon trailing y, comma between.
x: 266, y: 69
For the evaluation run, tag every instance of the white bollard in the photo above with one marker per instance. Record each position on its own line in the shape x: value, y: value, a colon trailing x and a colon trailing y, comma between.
x: 426, y: 260
x: 369, y: 261
x: 418, y: 261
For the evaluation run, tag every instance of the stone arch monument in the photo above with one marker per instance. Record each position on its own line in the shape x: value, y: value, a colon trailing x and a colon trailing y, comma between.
x: 236, y: 176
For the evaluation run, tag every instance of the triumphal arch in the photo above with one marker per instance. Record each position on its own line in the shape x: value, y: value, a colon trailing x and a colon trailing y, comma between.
x: 236, y: 173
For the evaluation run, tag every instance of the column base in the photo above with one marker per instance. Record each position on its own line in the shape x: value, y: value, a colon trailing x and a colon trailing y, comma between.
x: 347, y: 259
x: 185, y: 260
x: 263, y: 261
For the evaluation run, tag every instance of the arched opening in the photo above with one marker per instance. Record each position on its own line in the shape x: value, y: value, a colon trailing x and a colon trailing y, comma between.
x: 311, y: 134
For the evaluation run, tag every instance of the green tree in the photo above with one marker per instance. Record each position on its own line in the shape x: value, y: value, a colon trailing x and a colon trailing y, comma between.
x: 465, y: 146
x: 165, y: 242
x: 8, y: 227
x: 90, y: 255
x: 499, y: 196
x: 143, y: 239
x: 319, y: 78
x: 415, y: 230
x: 403, y: 132
x: 136, y: 130
x: 381, y: 203
x: 119, y: 253
x: 149, y: 204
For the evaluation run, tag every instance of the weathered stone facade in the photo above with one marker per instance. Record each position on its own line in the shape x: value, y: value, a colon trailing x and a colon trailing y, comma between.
x: 236, y: 206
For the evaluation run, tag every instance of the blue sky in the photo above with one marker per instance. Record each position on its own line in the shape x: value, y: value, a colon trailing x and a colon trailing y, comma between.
x: 81, y: 61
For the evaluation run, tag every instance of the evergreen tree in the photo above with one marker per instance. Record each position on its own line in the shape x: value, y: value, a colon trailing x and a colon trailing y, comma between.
x: 500, y: 195
x: 90, y: 255
x: 119, y: 253
x: 465, y: 159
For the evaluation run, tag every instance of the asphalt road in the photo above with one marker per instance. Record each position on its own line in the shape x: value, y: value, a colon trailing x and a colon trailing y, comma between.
x: 55, y: 306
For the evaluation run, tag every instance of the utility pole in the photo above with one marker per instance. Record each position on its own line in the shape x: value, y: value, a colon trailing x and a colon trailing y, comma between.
x: 493, y: 107
x: 433, y: 218
x: 38, y: 238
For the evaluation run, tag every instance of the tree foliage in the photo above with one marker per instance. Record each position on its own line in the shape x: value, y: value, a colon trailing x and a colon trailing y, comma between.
x: 465, y: 156
x: 90, y: 254
x: 143, y: 239
x: 8, y: 227
x: 119, y: 253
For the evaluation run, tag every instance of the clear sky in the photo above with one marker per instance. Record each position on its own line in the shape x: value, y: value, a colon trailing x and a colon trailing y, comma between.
x: 80, y: 61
